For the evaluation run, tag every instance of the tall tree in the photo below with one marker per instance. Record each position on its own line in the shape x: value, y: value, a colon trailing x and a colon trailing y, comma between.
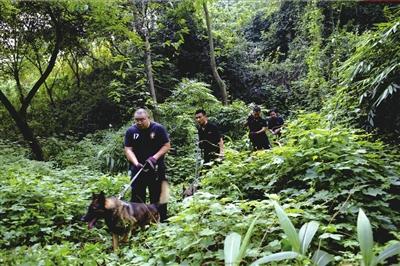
x: 218, y: 79
x: 144, y: 22
x: 41, y: 29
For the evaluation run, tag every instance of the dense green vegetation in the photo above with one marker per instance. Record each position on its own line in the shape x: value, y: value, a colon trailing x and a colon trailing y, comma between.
x: 72, y: 73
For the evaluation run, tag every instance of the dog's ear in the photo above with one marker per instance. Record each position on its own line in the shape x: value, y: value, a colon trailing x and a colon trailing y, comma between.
x: 183, y: 188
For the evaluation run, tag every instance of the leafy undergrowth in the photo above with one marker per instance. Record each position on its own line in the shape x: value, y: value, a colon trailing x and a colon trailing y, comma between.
x: 336, y: 168
x: 194, y: 236
x: 40, y: 203
x: 317, y: 175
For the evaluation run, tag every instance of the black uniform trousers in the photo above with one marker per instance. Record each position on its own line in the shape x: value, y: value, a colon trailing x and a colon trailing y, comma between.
x: 149, y: 179
x: 260, y: 141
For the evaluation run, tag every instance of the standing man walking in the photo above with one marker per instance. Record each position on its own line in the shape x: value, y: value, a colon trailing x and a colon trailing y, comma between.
x: 210, y: 139
x: 257, y: 127
x: 146, y: 143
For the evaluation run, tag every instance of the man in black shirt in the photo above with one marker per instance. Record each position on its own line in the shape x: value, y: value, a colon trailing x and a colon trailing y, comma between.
x: 257, y: 126
x: 210, y: 139
x: 275, y: 122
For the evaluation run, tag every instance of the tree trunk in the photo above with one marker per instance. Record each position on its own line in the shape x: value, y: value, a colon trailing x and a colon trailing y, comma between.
x: 149, y: 69
x: 74, y: 65
x: 20, y: 116
x: 49, y: 91
x: 141, y: 25
x: 221, y: 83
x: 46, y: 73
x: 18, y: 82
x: 24, y: 128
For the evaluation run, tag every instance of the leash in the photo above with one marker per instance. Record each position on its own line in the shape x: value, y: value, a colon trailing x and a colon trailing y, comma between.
x: 126, y: 187
x: 209, y: 142
x: 198, y: 163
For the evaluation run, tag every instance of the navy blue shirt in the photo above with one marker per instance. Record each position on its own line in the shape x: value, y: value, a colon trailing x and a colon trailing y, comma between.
x: 146, y: 142
x: 276, y: 122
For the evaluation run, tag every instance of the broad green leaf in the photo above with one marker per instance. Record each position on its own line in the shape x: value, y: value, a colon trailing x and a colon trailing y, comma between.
x: 306, y: 234
x: 365, y: 238
x: 388, y: 252
x: 206, y: 232
x: 321, y: 258
x: 337, y: 237
x: 231, y: 248
x: 286, y: 255
x: 288, y: 227
x: 246, y: 240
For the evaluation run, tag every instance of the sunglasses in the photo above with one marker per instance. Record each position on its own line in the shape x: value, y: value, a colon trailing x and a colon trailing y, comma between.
x: 140, y: 119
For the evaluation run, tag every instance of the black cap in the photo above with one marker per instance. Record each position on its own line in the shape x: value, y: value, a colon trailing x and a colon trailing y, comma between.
x: 256, y: 109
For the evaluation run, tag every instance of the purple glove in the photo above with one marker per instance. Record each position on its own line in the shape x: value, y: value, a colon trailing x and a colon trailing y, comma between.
x: 152, y: 162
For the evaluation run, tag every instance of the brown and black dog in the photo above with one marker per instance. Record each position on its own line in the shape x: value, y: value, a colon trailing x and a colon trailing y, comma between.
x: 123, y: 218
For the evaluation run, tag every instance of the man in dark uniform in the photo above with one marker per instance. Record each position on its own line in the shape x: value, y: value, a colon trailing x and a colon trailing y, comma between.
x: 146, y: 143
x: 210, y: 139
x: 257, y: 126
x: 275, y: 123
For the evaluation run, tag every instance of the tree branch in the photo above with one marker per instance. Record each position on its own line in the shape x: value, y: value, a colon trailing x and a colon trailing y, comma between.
x: 50, y: 66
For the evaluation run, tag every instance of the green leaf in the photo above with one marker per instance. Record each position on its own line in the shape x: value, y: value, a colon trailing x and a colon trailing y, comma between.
x: 286, y: 255
x: 206, y: 232
x: 333, y: 236
x: 246, y: 240
x: 365, y: 238
x: 388, y: 252
x: 374, y: 191
x: 321, y: 258
x: 306, y: 234
x: 231, y: 248
x: 288, y: 227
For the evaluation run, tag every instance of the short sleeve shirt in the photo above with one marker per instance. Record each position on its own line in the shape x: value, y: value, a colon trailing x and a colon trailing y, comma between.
x: 255, y: 124
x: 146, y: 142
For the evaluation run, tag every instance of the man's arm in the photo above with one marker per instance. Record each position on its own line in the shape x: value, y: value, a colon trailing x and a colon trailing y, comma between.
x: 263, y: 129
x: 130, y: 155
x: 221, y: 147
x: 163, y: 150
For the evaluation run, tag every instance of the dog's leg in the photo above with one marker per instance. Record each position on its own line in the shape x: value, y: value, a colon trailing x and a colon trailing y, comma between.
x: 115, y: 239
x: 133, y: 229
x: 125, y: 238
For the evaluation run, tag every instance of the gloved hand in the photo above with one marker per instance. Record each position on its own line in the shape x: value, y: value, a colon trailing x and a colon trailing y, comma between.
x: 151, y: 162
x: 202, y: 144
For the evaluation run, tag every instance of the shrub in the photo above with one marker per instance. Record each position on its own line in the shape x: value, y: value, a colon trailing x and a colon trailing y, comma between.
x: 334, y: 167
x: 42, y: 204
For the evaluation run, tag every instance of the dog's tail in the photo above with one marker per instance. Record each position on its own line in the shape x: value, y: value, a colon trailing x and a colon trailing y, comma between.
x: 164, y: 195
